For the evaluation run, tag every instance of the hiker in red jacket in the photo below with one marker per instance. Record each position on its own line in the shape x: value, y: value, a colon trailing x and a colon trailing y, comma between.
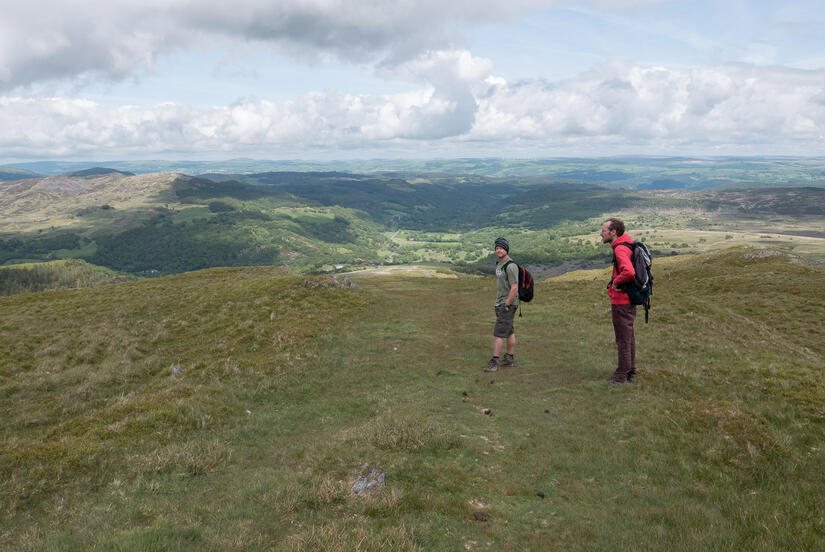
x: 624, y: 313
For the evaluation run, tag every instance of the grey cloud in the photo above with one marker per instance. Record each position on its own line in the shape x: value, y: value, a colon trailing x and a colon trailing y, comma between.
x: 50, y: 39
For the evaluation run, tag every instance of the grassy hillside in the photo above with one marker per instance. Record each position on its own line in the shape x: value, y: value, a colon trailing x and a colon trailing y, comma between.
x: 55, y: 275
x: 235, y: 409
x: 168, y: 223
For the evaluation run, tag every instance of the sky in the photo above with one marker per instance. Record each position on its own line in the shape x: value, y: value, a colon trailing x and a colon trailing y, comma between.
x: 360, y: 79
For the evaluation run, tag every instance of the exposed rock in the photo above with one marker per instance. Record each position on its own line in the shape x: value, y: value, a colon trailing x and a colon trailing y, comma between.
x: 331, y: 282
x: 177, y: 370
x: 365, y: 483
x: 762, y: 253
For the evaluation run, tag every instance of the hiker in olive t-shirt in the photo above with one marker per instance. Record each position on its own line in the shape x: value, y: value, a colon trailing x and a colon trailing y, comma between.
x: 505, y: 307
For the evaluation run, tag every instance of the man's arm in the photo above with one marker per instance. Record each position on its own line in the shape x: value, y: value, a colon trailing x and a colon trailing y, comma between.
x: 512, y: 295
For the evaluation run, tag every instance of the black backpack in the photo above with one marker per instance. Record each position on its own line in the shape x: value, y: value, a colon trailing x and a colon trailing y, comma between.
x: 525, y: 282
x: 641, y: 288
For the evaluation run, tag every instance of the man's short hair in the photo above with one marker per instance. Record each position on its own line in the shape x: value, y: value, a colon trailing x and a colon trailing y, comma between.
x: 617, y: 225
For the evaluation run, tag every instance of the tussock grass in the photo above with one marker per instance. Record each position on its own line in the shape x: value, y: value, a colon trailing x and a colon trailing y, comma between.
x: 353, y: 535
x: 285, y: 392
x: 409, y: 435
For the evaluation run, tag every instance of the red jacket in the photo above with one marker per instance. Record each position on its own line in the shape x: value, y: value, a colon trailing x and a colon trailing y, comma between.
x: 625, y: 272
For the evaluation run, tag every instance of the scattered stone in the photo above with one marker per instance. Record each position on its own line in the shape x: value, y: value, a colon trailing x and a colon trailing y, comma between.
x: 24, y: 496
x: 364, y: 483
x: 332, y: 282
x: 540, y: 494
x: 546, y: 411
x: 481, y: 516
x: 177, y: 370
x: 762, y: 253
x: 487, y: 412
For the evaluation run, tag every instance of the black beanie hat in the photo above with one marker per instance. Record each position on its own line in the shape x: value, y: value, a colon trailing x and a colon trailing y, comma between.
x: 504, y: 244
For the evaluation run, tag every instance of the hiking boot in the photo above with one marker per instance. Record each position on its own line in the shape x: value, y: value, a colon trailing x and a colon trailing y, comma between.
x: 508, y: 360
x: 493, y: 365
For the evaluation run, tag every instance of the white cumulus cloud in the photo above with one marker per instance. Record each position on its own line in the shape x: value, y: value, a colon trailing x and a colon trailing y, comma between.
x: 459, y: 101
x: 628, y: 104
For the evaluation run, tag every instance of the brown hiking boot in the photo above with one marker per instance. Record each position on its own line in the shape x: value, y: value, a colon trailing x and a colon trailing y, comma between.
x: 508, y: 360
x: 493, y: 365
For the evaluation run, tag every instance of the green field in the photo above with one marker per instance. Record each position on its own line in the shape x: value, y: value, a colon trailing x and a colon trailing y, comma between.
x: 235, y: 408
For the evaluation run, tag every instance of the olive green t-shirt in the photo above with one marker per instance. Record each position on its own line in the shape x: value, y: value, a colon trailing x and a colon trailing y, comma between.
x: 506, y: 278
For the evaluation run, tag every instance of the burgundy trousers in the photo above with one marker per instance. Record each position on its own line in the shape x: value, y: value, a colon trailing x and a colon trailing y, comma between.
x: 623, y: 318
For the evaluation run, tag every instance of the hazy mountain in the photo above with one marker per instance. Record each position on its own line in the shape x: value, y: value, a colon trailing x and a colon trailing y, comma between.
x: 13, y: 173
x: 98, y: 171
x: 643, y: 172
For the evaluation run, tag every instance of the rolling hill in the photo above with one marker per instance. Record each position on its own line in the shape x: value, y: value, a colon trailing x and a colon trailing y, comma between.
x: 315, y: 222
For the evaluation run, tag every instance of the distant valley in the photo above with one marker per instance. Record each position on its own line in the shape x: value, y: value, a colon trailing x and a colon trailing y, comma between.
x: 149, y: 224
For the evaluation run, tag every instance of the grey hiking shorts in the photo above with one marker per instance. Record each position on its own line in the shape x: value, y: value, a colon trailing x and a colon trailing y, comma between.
x: 504, y: 321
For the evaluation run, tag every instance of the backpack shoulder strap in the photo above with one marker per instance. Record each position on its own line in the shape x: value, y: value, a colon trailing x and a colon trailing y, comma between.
x: 508, y: 263
x: 630, y: 246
